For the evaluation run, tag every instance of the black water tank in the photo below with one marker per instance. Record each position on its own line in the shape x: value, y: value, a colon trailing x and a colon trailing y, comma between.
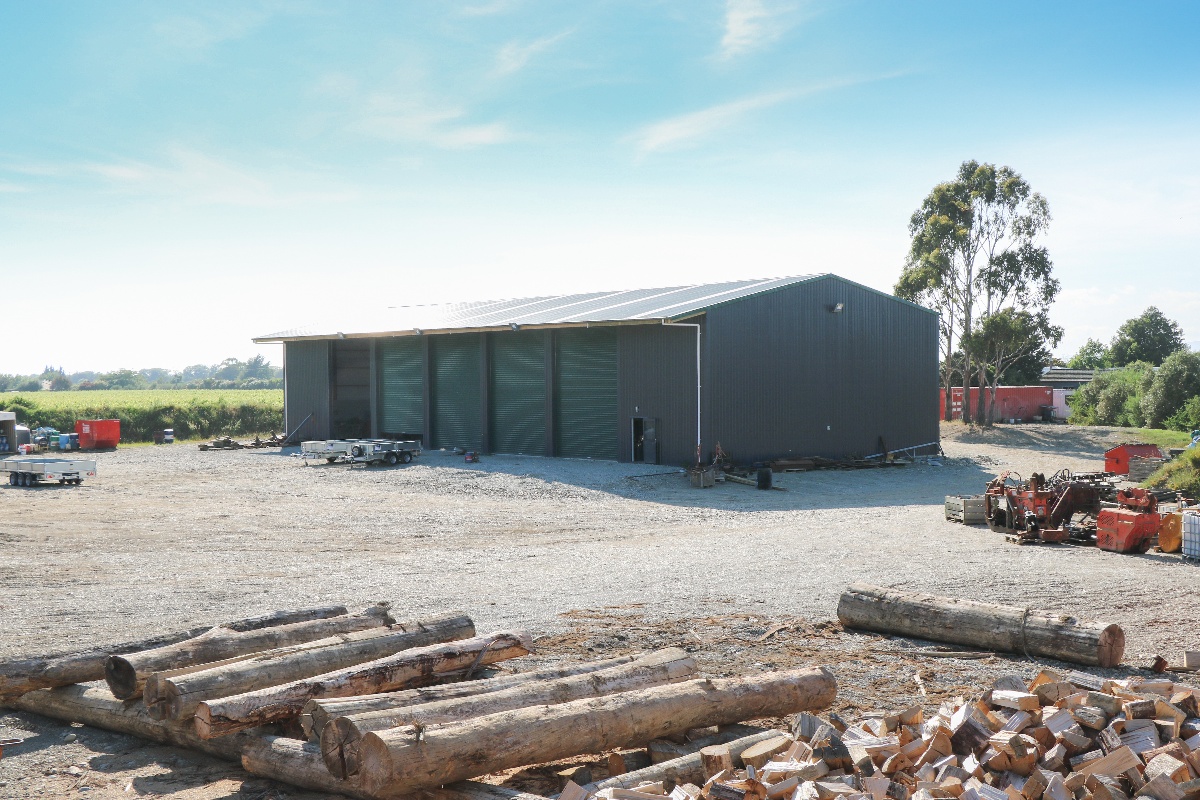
x: 764, y: 478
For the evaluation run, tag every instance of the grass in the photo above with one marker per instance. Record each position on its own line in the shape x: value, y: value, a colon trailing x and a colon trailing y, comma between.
x: 193, y: 413
x: 1162, y: 438
x: 1181, y: 474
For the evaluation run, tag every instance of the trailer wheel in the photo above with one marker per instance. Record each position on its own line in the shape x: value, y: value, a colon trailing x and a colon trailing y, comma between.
x: 13, y: 478
x: 391, y: 459
x: 405, y: 457
x: 357, y: 451
x: 330, y: 460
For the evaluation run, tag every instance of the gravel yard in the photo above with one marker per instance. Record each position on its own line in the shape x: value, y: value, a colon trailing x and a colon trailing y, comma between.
x: 594, y: 558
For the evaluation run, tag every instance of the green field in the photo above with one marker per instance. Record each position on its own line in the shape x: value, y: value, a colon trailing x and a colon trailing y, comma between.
x: 193, y: 413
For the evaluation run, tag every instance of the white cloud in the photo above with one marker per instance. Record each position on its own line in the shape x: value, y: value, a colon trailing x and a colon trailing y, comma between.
x: 674, y: 132
x: 416, y: 120
x: 750, y: 25
x: 513, y: 56
x: 201, y: 32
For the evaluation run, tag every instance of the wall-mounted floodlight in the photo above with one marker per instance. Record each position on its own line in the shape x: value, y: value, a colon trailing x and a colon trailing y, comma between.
x: 341, y: 335
x: 417, y: 331
x: 837, y: 308
x: 514, y: 326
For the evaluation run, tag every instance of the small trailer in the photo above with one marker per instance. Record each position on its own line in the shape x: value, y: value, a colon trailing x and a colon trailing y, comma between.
x: 361, y: 451
x: 32, y: 471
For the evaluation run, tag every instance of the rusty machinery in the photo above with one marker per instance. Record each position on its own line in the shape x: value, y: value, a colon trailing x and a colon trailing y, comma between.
x: 1043, y: 509
x: 1132, y: 525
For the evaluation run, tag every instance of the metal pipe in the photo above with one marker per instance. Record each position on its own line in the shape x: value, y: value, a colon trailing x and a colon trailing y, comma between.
x: 695, y: 325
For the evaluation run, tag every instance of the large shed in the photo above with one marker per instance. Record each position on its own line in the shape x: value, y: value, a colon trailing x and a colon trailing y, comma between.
x: 787, y: 367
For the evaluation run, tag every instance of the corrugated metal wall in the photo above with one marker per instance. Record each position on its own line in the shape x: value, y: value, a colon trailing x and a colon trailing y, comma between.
x: 518, y: 392
x: 658, y: 380
x: 401, y: 386
x: 456, y: 391
x: 785, y: 376
x: 585, y: 393
x: 306, y: 367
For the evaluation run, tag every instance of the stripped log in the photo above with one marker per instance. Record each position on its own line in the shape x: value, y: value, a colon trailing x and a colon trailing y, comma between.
x: 986, y: 625
x: 299, y: 764
x: 126, y: 674
x: 398, y: 760
x: 320, y: 711
x: 341, y: 737
x: 685, y: 769
x: 21, y: 675
x: 175, y: 694
x: 231, y: 714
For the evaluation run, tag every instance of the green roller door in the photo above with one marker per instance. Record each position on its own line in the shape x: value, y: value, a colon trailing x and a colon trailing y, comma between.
x: 518, y: 392
x: 586, y: 393
x: 456, y: 401
x: 401, y: 387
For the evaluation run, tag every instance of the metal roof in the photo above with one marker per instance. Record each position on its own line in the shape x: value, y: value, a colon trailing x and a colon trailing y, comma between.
x: 630, y: 306
x: 1067, y: 375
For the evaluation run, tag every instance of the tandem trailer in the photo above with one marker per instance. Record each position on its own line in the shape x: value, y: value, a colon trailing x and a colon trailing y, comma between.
x: 32, y: 471
x: 360, y: 451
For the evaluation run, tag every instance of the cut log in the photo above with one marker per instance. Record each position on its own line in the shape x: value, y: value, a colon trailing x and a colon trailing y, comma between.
x: 231, y: 714
x: 126, y: 674
x: 685, y: 769
x: 340, y: 738
x: 317, y: 713
x: 716, y: 758
x: 622, y: 761
x: 175, y: 695
x: 21, y: 675
x: 401, y: 759
x: 294, y: 762
x: 995, y: 627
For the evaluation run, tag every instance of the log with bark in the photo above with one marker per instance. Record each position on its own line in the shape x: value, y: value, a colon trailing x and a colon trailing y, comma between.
x: 126, y: 674
x: 986, y: 625
x: 398, y: 760
x: 685, y: 769
x: 318, y: 712
x: 25, y: 674
x: 175, y: 694
x: 341, y: 737
x: 412, y: 667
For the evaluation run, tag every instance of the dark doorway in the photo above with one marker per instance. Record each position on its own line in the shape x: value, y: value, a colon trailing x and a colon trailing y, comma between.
x: 645, y: 440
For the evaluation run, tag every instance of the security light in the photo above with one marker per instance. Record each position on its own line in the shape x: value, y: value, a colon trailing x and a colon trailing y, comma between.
x: 836, y: 308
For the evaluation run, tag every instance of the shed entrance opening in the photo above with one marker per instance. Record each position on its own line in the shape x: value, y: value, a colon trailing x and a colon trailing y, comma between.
x: 645, y: 440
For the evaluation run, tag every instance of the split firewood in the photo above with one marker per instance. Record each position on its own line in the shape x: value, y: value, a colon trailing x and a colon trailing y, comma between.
x: 401, y: 759
x: 175, y: 694
x: 25, y: 674
x: 319, y: 711
x: 227, y: 715
x: 126, y: 674
x: 340, y: 738
x: 986, y: 625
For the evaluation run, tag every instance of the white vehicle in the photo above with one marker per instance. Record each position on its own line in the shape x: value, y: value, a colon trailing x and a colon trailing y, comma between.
x: 32, y: 471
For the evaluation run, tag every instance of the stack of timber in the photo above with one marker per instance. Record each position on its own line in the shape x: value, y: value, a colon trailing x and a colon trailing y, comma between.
x: 1058, y: 737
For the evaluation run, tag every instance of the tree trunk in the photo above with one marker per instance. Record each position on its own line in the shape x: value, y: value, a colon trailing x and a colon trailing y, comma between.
x: 175, y: 695
x: 22, y: 675
x: 685, y: 769
x: 318, y: 712
x: 980, y: 408
x: 340, y: 738
x: 993, y: 627
x: 399, y: 760
x: 231, y: 714
x: 126, y: 674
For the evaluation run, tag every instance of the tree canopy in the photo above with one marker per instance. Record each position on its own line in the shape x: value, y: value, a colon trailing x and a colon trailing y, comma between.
x: 1150, y: 337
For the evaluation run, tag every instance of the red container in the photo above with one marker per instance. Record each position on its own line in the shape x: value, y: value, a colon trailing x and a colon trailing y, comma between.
x: 1022, y: 403
x: 98, y: 434
x: 1116, y: 459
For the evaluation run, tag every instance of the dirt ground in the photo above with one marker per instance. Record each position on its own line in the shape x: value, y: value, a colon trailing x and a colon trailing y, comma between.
x: 595, y: 558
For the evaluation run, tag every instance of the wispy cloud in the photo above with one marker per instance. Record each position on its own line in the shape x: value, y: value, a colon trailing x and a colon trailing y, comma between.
x: 674, y: 132
x: 751, y: 25
x: 513, y: 56
x: 202, y: 31
x: 415, y: 120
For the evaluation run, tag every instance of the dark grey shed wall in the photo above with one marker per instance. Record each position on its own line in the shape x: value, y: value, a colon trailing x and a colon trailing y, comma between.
x: 658, y: 380
x: 306, y: 387
x: 785, y: 376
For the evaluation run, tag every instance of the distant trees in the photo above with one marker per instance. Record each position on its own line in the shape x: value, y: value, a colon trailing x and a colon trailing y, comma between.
x: 255, y: 373
x: 1150, y: 337
x: 975, y: 258
x: 1092, y: 355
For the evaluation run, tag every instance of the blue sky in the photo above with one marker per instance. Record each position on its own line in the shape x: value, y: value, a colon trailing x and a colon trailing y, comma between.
x: 176, y: 178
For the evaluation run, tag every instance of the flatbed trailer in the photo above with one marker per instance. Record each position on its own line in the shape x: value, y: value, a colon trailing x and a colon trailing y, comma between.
x: 32, y: 471
x: 360, y: 451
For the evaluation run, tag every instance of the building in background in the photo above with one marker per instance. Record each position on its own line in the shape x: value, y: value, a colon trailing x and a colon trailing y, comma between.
x: 803, y: 366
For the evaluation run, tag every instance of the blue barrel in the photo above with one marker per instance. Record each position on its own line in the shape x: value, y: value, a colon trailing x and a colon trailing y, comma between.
x: 64, y: 441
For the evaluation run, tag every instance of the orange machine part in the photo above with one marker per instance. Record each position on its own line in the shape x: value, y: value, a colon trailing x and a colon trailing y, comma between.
x: 1123, y: 531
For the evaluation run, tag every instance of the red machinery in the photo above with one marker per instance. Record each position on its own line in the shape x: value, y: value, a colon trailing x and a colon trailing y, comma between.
x: 1041, y: 509
x: 1131, y: 528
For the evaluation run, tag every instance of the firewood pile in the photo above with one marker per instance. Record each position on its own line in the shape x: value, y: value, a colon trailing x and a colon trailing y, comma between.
x: 366, y: 706
x: 1059, y: 737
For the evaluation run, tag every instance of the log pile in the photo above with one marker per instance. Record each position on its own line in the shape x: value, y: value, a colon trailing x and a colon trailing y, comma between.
x: 1058, y: 737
